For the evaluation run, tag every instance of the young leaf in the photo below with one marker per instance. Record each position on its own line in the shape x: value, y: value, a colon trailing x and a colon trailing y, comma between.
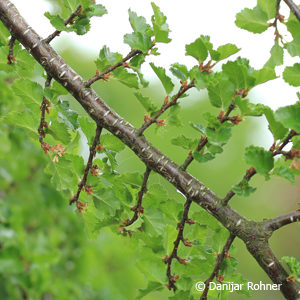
x: 282, y: 168
x: 138, y: 41
x: 107, y: 58
x: 109, y: 141
x: 197, y: 49
x: 184, y: 142
x: 244, y: 189
x: 292, y: 75
x: 254, y: 20
x: 260, y: 159
x: 277, y: 128
x: 137, y: 23
x: 127, y: 78
x: 180, y: 71
x: 226, y: 51
x: 160, y: 27
x: 203, y: 157
x: 146, y: 102
x: 289, y: 116
x: 293, y: 47
x: 263, y: 75
x: 221, y: 93
x: 276, y: 58
x: 165, y: 80
x: 88, y: 127
x: 268, y: 6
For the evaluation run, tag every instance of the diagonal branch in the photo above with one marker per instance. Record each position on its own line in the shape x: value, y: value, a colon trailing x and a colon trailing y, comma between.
x: 97, y: 109
x: 99, y: 76
x: 89, y: 167
x: 220, y: 259
x: 67, y: 21
x: 278, y: 222
x: 294, y: 8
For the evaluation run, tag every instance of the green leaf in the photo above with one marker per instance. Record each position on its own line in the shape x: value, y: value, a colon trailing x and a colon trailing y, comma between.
x: 180, y: 71
x: 138, y: 24
x: 289, y: 116
x: 238, y: 73
x: 81, y: 26
x: 138, y: 41
x: 109, y: 141
x: 152, y: 287
x: 293, y: 25
x: 244, y: 189
x: 247, y: 108
x: 67, y: 114
x: 293, y: 264
x: 282, y: 169
x: 218, y: 136
x: 107, y: 58
x: 277, y: 128
x: 292, y: 75
x: 94, y: 10
x: 268, y: 6
x: 227, y: 50
x: 59, y: 131
x: 293, y: 47
x: 88, y: 127
x: 4, y: 34
x: 184, y: 142
x: 126, y: 77
x: 197, y: 49
x: 276, y: 58
x: 173, y: 117
x: 146, y: 102
x: 260, y: 159
x: 221, y: 93
x: 165, y: 80
x: 263, y: 75
x: 160, y: 27
x: 57, y: 22
x: 203, y: 157
x: 153, y: 222
x: 254, y: 20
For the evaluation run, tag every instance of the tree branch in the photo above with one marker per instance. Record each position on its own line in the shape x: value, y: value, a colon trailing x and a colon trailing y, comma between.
x: 89, y: 166
x: 220, y: 259
x: 294, y: 8
x: 67, y: 21
x: 278, y: 222
x: 10, y: 57
x: 167, y: 104
x: 138, y: 208
x: 249, y: 231
x: 99, y: 76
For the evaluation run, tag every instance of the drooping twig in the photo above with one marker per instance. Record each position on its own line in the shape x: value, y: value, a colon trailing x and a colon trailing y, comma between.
x: 251, y: 172
x: 278, y: 17
x: 67, y: 21
x: 10, y: 57
x: 180, y: 238
x: 167, y: 104
x: 278, y: 222
x: 89, y: 166
x: 99, y: 76
x: 138, y: 208
x: 43, y: 123
x: 220, y: 259
x: 294, y: 8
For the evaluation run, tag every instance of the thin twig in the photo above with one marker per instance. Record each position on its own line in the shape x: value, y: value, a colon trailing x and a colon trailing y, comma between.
x: 180, y: 238
x: 66, y: 22
x: 138, y: 208
x: 43, y: 124
x: 99, y: 76
x: 10, y: 57
x: 220, y: 259
x: 251, y: 172
x: 278, y: 222
x: 82, y: 183
x: 294, y: 8
x: 165, y: 106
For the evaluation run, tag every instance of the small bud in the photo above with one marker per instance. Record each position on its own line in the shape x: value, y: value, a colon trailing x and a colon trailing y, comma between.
x: 161, y: 123
x: 221, y: 115
x: 99, y: 148
x: 166, y: 100
x: 220, y: 278
x: 291, y: 278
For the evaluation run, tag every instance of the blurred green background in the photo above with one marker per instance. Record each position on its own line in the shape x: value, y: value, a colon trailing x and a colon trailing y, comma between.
x: 43, y: 241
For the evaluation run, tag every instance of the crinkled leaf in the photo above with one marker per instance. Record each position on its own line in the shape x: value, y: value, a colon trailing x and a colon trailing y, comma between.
x: 160, y: 27
x: 254, y: 20
x: 109, y: 141
x: 107, y: 58
x: 138, y: 41
x: 260, y: 159
x: 289, y: 116
x: 147, y: 103
x: 282, y: 168
x: 126, y: 77
x: 268, y: 6
x: 197, y: 49
x: 243, y: 189
x: 276, y: 58
x: 221, y: 93
x: 263, y: 75
x: 88, y: 127
x: 202, y: 157
x: 184, y: 142
x: 293, y: 47
x: 180, y: 71
x: 165, y: 80
x: 137, y: 23
x: 226, y: 51
x: 292, y: 75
